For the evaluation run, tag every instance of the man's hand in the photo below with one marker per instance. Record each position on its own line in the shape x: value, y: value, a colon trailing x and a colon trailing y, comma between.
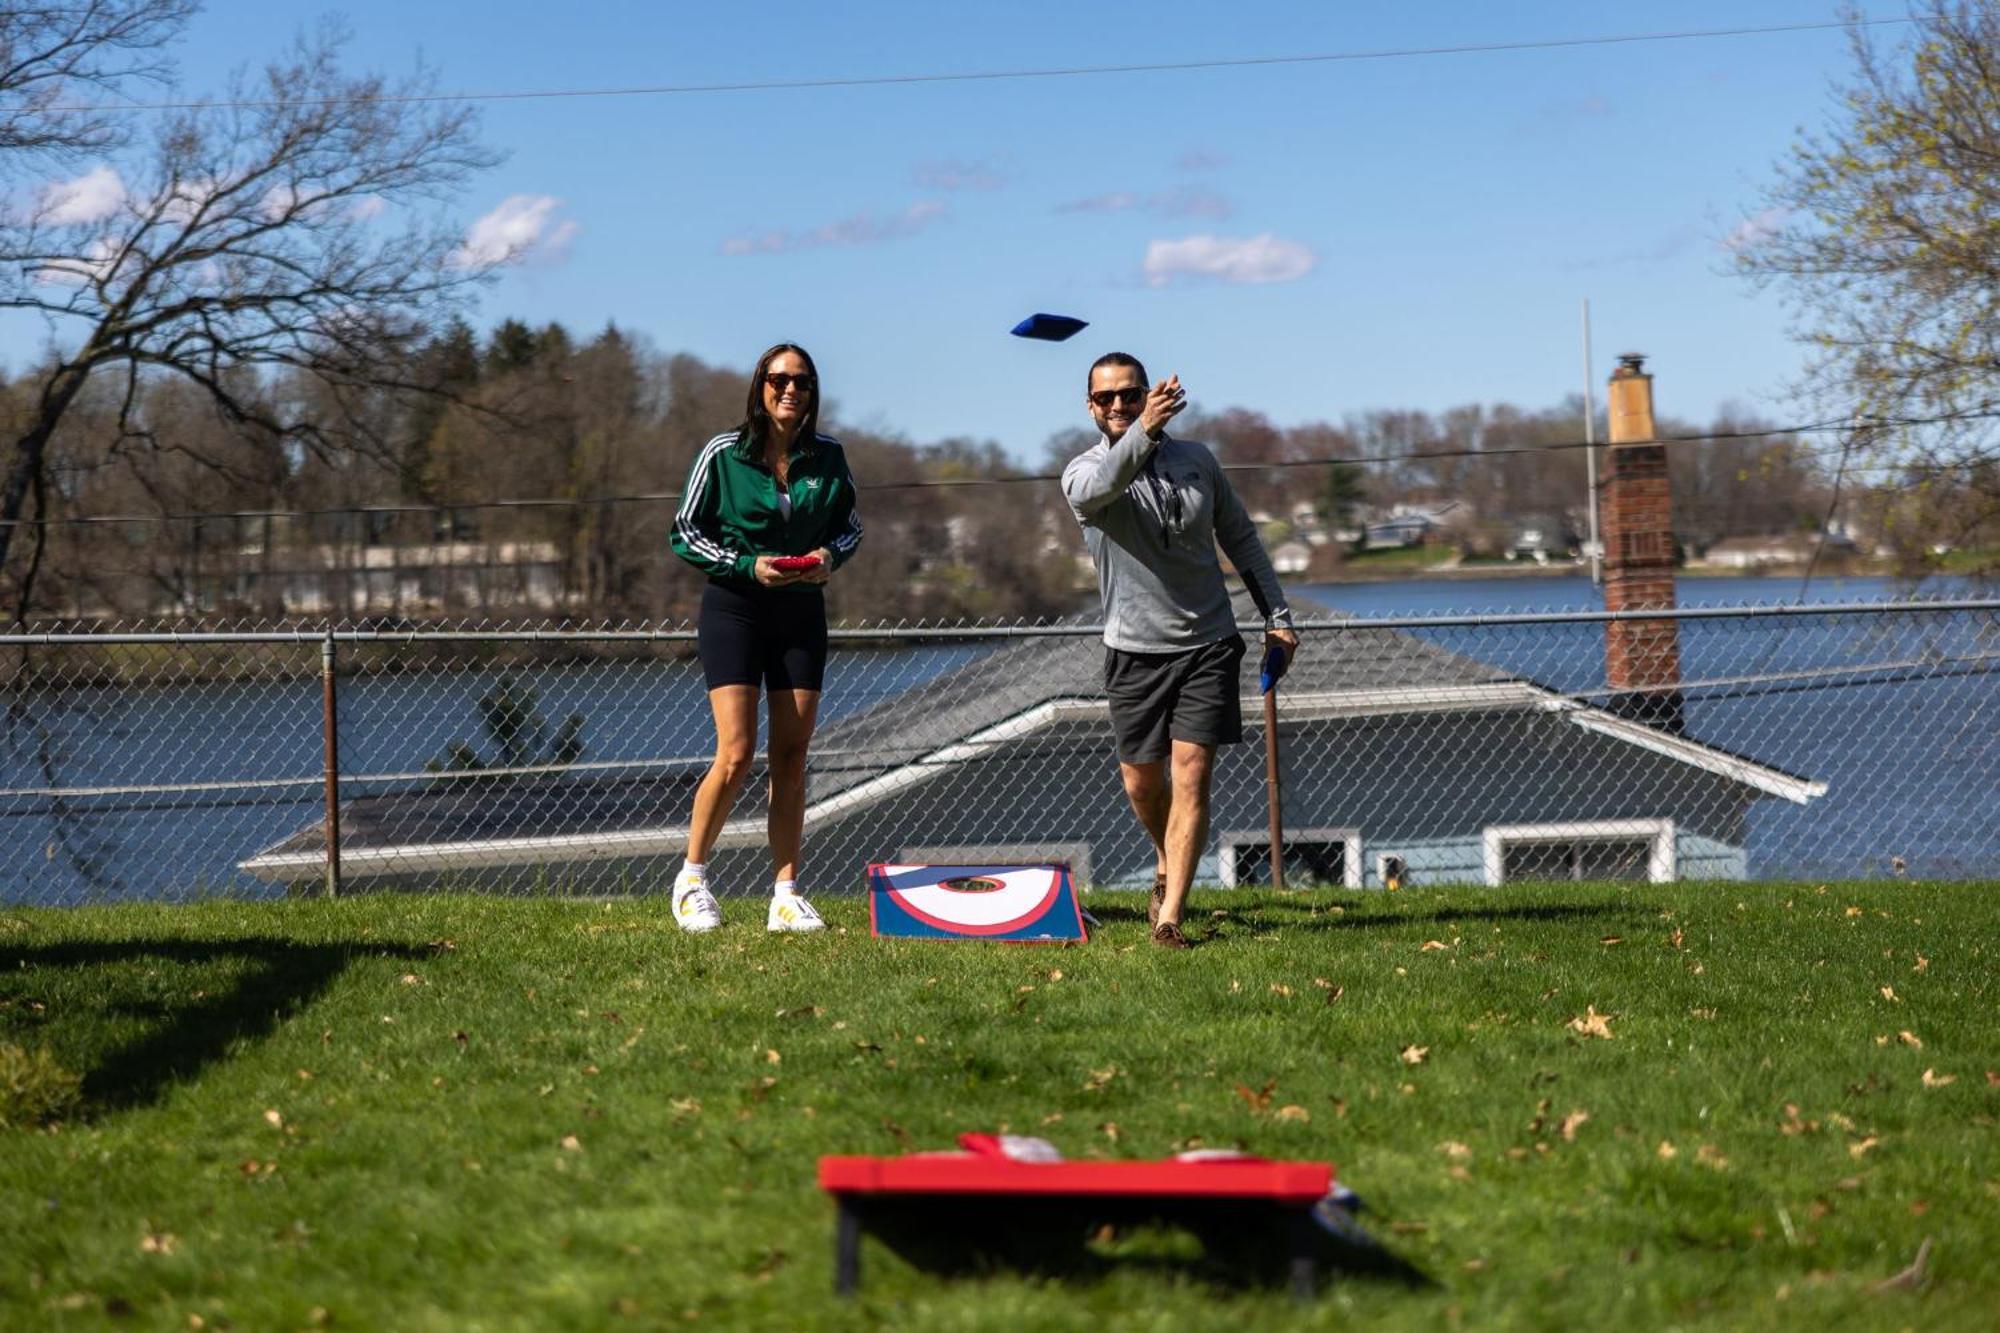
x: 1288, y: 639
x: 1164, y: 402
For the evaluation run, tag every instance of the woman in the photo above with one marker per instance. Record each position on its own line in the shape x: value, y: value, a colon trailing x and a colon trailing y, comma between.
x: 758, y: 498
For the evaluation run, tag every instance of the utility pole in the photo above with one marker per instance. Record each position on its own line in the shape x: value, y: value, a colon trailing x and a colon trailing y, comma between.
x: 1590, y: 453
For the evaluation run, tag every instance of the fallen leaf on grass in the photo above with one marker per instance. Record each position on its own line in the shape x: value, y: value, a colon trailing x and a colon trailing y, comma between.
x: 1923, y: 964
x: 803, y: 1011
x: 1993, y: 1078
x: 1100, y: 1079
x: 1432, y: 946
x: 1933, y: 1079
x: 1909, y: 1038
x: 1455, y: 1150
x: 1865, y: 1146
x: 1711, y: 1156
x: 772, y: 1058
x: 1667, y: 1151
x: 158, y: 1242
x: 443, y: 946
x: 1573, y: 1122
x: 411, y: 979
x: 1853, y: 911
x: 1792, y: 1125
x: 1298, y: 1113
x: 1109, y: 1129
x: 1910, y: 1277
x: 1889, y: 994
x: 273, y: 1119
x: 1259, y: 1100
x: 1414, y: 1055
x: 571, y: 1143
x: 684, y: 1106
x: 1591, y: 1023
x: 1608, y: 940
x: 1409, y: 1228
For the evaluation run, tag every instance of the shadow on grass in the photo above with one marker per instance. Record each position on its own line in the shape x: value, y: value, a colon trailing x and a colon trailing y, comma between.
x: 1266, y: 917
x: 1226, y: 1247
x: 191, y: 1030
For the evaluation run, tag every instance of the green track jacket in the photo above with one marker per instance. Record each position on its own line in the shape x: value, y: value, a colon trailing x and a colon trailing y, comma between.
x: 729, y: 511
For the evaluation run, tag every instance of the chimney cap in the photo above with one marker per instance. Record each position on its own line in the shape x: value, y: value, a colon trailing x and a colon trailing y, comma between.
x: 1631, y: 363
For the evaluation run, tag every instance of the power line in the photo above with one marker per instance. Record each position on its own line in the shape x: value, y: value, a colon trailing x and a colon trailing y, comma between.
x: 951, y: 483
x: 1003, y: 75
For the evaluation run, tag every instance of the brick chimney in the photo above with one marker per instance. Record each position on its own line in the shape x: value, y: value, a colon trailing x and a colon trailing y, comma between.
x: 1642, y: 659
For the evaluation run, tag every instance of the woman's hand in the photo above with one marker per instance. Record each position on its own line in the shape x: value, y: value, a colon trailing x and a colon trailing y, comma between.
x: 822, y: 571
x: 772, y: 577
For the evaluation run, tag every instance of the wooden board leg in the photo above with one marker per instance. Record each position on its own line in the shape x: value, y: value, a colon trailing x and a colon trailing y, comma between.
x: 1304, y: 1284
x: 846, y: 1249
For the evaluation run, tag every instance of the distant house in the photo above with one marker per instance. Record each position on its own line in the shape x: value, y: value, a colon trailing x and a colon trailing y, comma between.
x: 1792, y: 548
x: 1541, y: 537
x: 1403, y: 760
x: 1291, y: 558
x: 1411, y: 525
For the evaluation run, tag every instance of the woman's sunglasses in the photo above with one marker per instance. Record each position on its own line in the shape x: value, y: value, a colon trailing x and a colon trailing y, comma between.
x: 780, y: 381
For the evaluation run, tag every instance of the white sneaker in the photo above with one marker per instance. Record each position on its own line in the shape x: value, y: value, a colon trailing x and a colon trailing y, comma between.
x: 789, y: 912
x: 694, y: 906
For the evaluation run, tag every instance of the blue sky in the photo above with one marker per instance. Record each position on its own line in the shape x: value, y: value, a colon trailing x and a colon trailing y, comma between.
x: 1308, y: 240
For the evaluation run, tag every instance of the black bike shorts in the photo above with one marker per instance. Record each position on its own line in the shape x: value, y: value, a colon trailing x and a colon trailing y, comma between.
x: 1159, y: 698
x: 774, y: 637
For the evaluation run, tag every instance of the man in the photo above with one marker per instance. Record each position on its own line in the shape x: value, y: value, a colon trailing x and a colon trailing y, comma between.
x: 1153, y: 509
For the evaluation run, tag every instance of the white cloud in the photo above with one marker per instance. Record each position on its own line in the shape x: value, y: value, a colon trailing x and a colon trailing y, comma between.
x: 1758, y: 227
x: 1201, y: 159
x: 94, y: 265
x: 1191, y: 201
x: 523, y: 227
x: 91, y: 197
x: 859, y: 229
x: 1183, y: 201
x: 960, y: 176
x: 1254, y: 259
x: 186, y: 200
x: 1101, y: 203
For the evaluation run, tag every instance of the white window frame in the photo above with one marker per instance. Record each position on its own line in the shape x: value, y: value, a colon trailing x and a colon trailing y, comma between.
x: 1227, y: 845
x: 1660, y: 866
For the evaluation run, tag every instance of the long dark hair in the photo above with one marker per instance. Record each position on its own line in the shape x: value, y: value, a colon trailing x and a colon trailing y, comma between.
x: 756, y: 427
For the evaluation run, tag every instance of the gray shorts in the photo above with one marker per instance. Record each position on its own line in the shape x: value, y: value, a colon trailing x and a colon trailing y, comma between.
x: 1158, y: 698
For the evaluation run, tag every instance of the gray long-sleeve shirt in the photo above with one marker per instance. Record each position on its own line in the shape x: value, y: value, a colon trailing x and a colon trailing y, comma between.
x: 1152, y: 516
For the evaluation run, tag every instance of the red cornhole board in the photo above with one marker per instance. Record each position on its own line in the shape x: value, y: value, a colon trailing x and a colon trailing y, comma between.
x: 943, y: 1190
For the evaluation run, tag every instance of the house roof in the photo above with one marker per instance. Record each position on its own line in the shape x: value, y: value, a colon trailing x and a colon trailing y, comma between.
x: 991, y: 703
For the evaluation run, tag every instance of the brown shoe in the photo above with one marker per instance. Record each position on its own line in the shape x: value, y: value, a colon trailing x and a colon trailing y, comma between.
x: 1168, y: 936
x: 1158, y: 898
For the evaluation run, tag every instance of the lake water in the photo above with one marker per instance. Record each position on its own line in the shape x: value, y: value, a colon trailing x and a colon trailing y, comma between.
x: 1899, y: 714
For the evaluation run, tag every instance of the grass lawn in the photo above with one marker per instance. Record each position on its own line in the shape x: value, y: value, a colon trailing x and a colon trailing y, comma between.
x: 1569, y: 1106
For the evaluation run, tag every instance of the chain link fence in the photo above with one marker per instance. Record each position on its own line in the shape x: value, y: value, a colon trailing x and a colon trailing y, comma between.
x: 149, y: 762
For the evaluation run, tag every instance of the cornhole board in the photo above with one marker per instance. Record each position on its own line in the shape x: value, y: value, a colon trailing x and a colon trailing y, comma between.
x: 931, y: 1198
x: 1019, y: 904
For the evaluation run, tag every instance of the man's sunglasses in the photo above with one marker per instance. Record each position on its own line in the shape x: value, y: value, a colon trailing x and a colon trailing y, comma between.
x: 1106, y: 397
x: 780, y: 381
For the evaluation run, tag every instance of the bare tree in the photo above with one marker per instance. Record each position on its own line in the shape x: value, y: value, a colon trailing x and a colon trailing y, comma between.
x: 1884, y: 231
x: 55, y: 58
x: 282, y: 238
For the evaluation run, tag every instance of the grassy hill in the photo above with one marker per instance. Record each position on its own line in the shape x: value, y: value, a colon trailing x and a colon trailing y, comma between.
x: 1740, y: 1105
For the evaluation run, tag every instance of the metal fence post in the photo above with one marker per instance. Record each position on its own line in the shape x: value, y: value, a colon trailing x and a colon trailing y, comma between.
x: 329, y: 692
